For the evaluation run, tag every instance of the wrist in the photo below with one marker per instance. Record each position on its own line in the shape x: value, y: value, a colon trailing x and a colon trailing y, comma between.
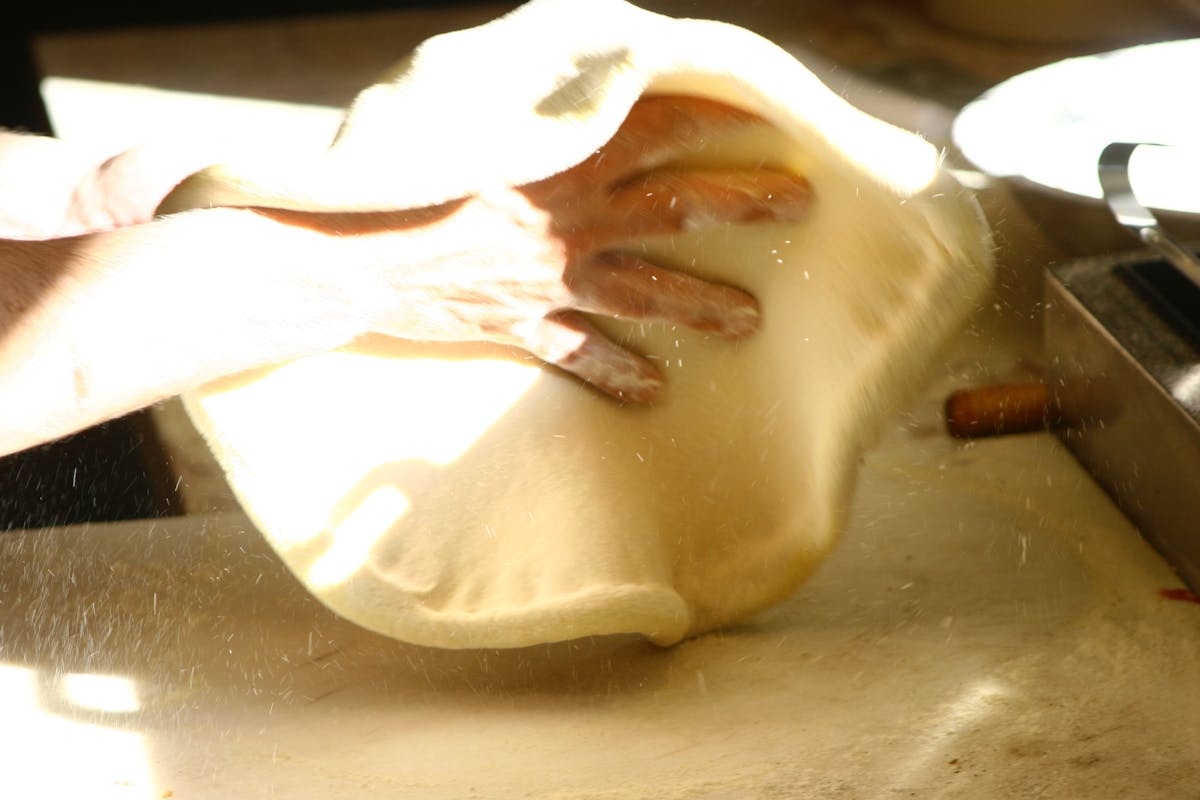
x: 323, y: 280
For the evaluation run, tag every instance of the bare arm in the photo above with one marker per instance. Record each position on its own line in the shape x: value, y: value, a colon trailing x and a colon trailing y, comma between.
x: 96, y: 325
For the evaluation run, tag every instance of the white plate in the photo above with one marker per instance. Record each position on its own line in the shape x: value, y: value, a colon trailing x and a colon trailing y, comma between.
x: 1048, y: 126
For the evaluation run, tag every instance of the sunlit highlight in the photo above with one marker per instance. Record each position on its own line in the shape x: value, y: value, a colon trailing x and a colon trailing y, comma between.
x: 354, y: 536
x: 1186, y: 387
x: 46, y: 754
x: 108, y: 693
x: 979, y: 700
x: 467, y: 404
x: 380, y: 415
x: 79, y: 109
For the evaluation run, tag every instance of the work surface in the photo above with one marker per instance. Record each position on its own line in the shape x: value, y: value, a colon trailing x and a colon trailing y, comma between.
x: 989, y: 627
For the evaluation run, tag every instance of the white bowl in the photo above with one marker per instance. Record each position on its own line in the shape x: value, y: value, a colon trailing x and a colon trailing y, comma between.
x: 1043, y: 130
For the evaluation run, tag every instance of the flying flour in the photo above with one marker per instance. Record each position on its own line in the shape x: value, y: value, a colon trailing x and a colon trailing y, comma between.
x: 505, y: 504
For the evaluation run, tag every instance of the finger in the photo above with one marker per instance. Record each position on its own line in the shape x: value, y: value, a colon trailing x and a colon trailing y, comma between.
x: 625, y: 286
x: 568, y: 341
x: 657, y: 129
x: 660, y: 127
x: 669, y: 201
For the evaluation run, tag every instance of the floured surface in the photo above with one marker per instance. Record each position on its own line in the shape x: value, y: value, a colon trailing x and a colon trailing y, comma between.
x: 466, y: 497
x: 991, y: 627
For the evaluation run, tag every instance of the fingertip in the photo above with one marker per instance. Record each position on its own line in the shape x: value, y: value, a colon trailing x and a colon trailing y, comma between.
x: 798, y: 199
x: 742, y: 320
x: 642, y: 387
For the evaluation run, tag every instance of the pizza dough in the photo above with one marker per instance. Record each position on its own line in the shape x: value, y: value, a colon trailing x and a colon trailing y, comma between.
x: 464, y: 496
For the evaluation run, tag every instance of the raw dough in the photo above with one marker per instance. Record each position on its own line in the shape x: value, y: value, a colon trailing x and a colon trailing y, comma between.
x: 462, y: 496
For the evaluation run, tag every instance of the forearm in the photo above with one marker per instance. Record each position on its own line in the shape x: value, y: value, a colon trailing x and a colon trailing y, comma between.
x: 95, y: 326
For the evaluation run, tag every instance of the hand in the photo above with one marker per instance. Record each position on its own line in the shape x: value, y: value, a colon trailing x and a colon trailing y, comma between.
x: 522, y: 266
x: 53, y: 188
x: 127, y: 188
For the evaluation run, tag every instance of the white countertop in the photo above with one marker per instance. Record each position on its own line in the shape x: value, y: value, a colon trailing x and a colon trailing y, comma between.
x: 990, y: 626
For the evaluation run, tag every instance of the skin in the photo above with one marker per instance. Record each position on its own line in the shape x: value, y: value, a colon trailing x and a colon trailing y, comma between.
x: 107, y: 309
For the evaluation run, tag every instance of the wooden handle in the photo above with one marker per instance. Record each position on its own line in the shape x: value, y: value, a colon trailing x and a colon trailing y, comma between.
x: 997, y: 410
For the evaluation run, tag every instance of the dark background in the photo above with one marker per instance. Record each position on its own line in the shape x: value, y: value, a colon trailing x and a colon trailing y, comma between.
x: 20, y: 106
x: 113, y: 471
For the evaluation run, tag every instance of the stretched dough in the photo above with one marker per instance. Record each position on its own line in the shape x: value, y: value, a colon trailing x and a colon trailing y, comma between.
x: 462, y: 496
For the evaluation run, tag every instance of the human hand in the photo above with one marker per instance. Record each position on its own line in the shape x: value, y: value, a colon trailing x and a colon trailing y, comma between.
x: 53, y: 188
x: 127, y: 188
x: 522, y: 266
